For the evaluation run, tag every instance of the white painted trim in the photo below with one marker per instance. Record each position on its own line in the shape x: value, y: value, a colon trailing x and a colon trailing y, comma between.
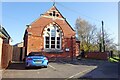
x: 52, y: 17
x: 52, y: 11
x: 55, y: 38
x: 50, y: 40
x: 56, y: 27
x: 82, y: 72
x: 60, y: 42
x: 44, y: 42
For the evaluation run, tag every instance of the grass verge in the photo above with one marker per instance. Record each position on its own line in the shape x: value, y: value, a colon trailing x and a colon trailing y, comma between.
x: 114, y: 59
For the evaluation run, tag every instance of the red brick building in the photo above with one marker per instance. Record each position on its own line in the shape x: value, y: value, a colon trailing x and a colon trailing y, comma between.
x: 52, y: 35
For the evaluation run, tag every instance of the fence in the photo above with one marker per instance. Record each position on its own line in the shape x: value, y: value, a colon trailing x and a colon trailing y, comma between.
x: 18, y: 53
x: 7, y: 51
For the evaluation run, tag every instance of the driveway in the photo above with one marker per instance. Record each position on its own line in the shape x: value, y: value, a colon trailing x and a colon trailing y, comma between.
x: 67, y: 70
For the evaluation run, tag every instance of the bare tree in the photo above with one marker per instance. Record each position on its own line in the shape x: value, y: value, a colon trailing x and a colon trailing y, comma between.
x: 91, y: 38
x: 86, y: 33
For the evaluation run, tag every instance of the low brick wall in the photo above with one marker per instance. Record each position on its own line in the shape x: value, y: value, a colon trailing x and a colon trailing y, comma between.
x: 97, y: 55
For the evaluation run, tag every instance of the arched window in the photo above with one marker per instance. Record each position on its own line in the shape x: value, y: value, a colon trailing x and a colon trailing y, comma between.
x: 52, y: 37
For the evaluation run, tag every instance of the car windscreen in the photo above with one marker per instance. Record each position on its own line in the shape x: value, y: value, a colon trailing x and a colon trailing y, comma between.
x: 35, y: 54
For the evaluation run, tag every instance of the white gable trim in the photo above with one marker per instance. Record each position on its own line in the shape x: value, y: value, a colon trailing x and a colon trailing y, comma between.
x: 52, y: 17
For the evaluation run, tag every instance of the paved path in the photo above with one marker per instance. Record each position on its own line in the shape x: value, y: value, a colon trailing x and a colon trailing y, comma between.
x: 1, y: 74
x: 67, y: 70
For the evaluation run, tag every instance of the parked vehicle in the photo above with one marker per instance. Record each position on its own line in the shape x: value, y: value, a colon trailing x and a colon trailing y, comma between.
x: 36, y: 59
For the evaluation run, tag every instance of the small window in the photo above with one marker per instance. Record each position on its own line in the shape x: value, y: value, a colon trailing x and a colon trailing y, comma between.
x: 57, y: 15
x: 58, y: 38
x: 53, y: 13
x: 58, y: 31
x: 50, y: 14
x: 48, y: 29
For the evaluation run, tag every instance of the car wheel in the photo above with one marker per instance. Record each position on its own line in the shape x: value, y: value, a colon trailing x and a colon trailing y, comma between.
x: 45, y: 66
x: 26, y: 67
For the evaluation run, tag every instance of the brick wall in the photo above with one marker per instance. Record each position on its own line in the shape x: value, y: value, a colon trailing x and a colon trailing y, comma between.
x: 97, y: 55
x: 34, y: 41
x: 77, y: 48
x: 36, y: 44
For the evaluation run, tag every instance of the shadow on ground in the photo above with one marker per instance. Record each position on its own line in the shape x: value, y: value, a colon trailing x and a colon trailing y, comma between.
x: 20, y: 66
x: 104, y: 68
x: 17, y: 66
x: 107, y: 71
x: 88, y: 62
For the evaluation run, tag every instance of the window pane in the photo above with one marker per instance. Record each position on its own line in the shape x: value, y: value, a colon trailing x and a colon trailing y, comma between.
x: 47, y: 38
x: 52, y: 46
x: 58, y: 42
x: 58, y: 38
x: 53, y: 38
x: 47, y: 42
x: 53, y: 42
x: 53, y: 32
x: 58, y: 46
x: 47, y: 46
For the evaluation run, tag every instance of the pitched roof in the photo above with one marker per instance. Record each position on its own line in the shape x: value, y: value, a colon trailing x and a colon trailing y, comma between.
x: 52, y: 15
x: 53, y: 8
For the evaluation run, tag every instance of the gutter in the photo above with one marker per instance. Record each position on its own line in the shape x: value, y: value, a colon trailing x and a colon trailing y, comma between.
x: 3, y: 33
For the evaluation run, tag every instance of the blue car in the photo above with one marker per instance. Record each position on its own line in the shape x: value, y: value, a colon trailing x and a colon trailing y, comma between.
x: 36, y: 59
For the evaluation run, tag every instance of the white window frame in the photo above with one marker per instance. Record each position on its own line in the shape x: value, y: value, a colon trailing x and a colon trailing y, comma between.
x: 56, y: 28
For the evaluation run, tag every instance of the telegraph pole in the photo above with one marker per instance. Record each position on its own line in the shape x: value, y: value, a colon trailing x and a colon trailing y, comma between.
x: 103, y: 41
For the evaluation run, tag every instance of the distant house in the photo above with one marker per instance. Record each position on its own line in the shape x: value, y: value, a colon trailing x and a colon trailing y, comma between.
x: 52, y: 35
x: 19, y: 44
x: 4, y: 40
x: 4, y: 36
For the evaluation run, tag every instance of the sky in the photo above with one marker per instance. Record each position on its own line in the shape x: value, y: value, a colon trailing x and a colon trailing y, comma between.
x: 16, y: 15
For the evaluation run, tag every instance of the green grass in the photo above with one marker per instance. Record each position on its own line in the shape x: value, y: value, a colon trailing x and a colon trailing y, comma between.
x: 117, y: 58
x: 114, y: 59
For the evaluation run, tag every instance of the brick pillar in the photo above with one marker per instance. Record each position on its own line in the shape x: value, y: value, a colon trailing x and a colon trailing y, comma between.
x: 73, y: 47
